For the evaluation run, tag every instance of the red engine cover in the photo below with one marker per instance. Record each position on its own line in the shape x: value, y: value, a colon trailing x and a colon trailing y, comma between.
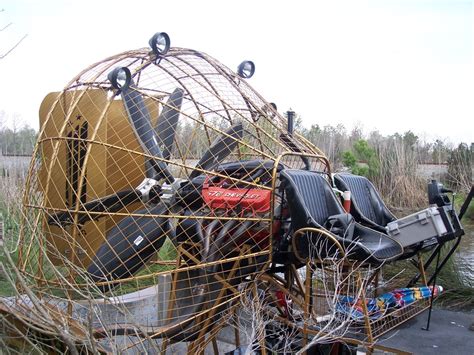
x: 255, y: 200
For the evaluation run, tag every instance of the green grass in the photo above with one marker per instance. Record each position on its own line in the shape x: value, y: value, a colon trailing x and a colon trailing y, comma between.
x: 10, y: 235
x: 458, y: 288
x: 458, y: 201
x: 11, y: 229
x: 10, y: 209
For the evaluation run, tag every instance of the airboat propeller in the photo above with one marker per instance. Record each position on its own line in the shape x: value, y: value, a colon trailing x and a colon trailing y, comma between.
x: 167, y: 122
x: 163, y: 135
x: 219, y: 149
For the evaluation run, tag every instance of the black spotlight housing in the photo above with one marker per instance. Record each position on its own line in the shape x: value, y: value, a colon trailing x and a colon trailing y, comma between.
x: 160, y: 43
x: 246, y: 69
x: 120, y: 78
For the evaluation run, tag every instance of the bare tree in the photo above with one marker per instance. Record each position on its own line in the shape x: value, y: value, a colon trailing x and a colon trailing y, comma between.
x: 16, y: 44
x: 335, y: 281
x: 258, y: 322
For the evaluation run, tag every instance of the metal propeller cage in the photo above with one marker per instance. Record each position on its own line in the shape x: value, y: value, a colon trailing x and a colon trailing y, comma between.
x: 87, y: 149
x: 167, y: 200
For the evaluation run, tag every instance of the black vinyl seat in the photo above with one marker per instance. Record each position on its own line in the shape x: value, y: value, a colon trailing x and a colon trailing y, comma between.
x: 312, y: 203
x: 367, y: 206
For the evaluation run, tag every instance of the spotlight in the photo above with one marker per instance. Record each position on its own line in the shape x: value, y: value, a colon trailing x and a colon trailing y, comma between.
x: 120, y: 78
x: 160, y: 43
x: 246, y: 69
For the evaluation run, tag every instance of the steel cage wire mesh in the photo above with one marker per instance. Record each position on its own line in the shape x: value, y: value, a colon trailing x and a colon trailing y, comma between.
x: 197, y: 251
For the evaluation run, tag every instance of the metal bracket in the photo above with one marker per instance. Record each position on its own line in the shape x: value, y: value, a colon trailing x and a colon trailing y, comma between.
x: 145, y: 187
x: 168, y: 191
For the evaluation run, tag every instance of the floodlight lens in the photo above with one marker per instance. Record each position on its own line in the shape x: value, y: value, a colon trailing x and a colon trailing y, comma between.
x: 246, y: 69
x: 120, y: 78
x: 160, y: 43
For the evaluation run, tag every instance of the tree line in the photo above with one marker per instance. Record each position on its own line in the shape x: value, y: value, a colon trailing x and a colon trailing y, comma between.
x: 16, y: 138
x: 392, y: 161
x: 385, y: 159
x: 335, y: 140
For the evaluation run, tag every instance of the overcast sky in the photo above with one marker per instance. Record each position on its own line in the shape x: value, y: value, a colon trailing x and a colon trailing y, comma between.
x: 387, y: 65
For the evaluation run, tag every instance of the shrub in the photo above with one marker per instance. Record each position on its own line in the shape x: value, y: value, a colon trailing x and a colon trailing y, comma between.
x: 460, y: 168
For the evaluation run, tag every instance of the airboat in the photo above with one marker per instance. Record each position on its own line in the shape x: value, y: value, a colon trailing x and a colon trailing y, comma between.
x: 169, y: 208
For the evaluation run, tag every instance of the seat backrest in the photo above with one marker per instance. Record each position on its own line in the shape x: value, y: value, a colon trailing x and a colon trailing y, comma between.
x: 367, y: 204
x: 310, y: 198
